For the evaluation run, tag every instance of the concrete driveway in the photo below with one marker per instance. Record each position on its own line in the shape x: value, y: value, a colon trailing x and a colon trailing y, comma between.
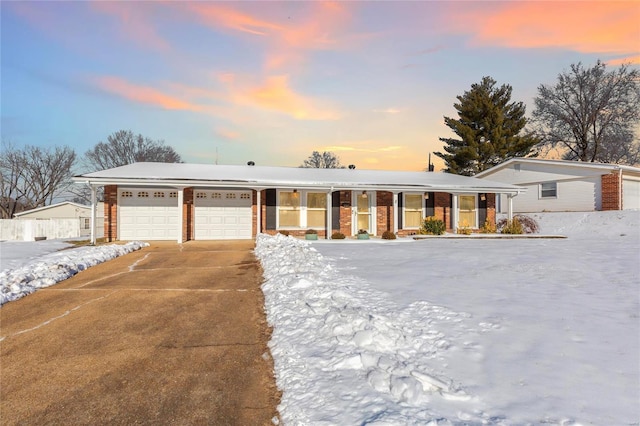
x: 171, y: 334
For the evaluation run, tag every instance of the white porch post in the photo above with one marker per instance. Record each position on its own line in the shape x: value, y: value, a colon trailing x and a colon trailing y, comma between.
x: 93, y: 215
x: 258, y: 211
x: 454, y: 212
x: 395, y: 212
x: 510, y: 208
x: 329, y: 226
x: 180, y: 214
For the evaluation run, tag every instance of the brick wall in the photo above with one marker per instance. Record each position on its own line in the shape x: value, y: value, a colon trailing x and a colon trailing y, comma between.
x: 611, y: 191
x: 188, y: 213
x: 442, y: 208
x: 111, y: 212
x: 491, y: 209
x: 384, y: 212
x: 345, y: 213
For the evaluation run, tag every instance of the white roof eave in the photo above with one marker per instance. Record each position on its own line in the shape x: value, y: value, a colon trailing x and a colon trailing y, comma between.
x: 254, y: 184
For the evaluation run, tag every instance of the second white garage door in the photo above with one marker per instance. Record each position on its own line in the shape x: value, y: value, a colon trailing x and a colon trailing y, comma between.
x: 148, y: 214
x: 222, y: 215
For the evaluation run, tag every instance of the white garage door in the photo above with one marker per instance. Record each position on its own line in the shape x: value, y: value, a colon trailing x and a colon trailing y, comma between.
x: 222, y: 215
x: 630, y: 194
x: 148, y: 214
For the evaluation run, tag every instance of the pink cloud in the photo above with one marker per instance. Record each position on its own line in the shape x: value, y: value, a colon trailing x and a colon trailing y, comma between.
x: 143, y: 94
x: 134, y: 22
x: 588, y: 27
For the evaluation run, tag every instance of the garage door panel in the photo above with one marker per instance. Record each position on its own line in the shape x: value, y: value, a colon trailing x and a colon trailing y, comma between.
x: 223, y: 215
x: 152, y: 217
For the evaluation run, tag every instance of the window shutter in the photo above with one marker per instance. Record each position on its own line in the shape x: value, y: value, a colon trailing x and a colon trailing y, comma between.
x: 400, y: 210
x: 431, y: 204
x: 335, y: 210
x: 272, y: 210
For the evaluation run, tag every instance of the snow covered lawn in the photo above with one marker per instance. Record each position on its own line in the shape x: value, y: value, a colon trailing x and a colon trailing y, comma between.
x: 34, y: 265
x: 460, y: 331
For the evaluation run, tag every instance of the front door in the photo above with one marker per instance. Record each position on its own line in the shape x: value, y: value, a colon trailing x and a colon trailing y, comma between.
x: 467, y: 211
x: 362, y: 211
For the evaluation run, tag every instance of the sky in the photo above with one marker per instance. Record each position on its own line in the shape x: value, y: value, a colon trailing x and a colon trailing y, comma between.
x: 270, y: 82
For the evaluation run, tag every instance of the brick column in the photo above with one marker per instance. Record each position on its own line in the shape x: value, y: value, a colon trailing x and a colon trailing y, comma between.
x: 110, y: 213
x: 187, y: 215
x: 345, y: 212
x: 491, y: 209
x: 384, y: 211
x: 611, y: 191
x: 442, y: 208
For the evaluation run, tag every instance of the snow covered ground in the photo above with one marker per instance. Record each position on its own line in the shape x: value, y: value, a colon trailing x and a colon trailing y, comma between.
x: 38, y: 264
x: 448, y: 331
x: 439, y: 331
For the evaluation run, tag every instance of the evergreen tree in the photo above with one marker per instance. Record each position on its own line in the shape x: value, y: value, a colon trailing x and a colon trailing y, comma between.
x: 489, y: 127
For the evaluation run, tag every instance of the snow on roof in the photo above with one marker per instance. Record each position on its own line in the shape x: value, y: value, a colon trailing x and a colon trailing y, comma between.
x: 560, y: 163
x: 51, y: 206
x: 184, y: 174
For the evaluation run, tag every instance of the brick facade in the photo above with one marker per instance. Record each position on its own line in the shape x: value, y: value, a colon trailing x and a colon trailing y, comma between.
x: 611, y: 189
x: 384, y: 211
x: 110, y: 213
x: 188, y: 215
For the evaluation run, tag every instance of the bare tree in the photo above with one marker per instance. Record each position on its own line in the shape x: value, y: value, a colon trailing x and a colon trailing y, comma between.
x: 591, y: 113
x: 123, y: 147
x: 326, y: 160
x: 33, y: 177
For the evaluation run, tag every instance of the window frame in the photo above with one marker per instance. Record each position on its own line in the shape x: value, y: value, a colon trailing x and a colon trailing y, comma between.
x: 542, y: 190
x: 476, y: 210
x: 302, y: 208
x: 404, y: 209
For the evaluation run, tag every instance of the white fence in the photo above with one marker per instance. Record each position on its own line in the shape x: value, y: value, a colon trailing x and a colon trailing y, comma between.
x: 30, y: 229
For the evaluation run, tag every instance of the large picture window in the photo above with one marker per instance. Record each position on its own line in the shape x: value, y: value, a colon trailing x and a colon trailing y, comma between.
x: 412, y: 210
x: 316, y: 210
x: 289, y: 209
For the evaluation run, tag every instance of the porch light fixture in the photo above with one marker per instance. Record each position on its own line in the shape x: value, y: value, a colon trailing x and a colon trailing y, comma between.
x: 483, y: 197
x: 426, y: 195
x: 364, y: 194
x: 295, y: 190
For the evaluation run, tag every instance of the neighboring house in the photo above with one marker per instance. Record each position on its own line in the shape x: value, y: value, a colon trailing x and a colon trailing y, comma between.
x: 558, y: 185
x: 68, y: 210
x: 177, y: 201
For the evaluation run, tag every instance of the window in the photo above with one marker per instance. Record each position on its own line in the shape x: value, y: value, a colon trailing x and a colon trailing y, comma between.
x: 289, y: 209
x: 201, y: 195
x: 245, y: 196
x: 230, y: 196
x: 143, y: 194
x: 316, y: 209
x: 87, y: 223
x: 548, y: 190
x: 412, y: 210
x: 173, y: 194
x: 126, y: 194
x: 158, y: 194
x: 216, y: 195
x: 467, y: 211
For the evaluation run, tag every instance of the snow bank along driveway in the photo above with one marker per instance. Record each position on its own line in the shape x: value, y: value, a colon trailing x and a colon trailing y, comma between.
x: 449, y: 332
x: 49, y: 269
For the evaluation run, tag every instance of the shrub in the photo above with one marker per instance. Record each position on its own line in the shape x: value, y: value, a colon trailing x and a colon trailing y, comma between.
x: 488, y: 228
x: 464, y: 228
x: 432, y: 226
x: 285, y: 233
x: 526, y: 223
x: 362, y: 231
x: 388, y: 235
x: 512, y: 227
x: 311, y: 231
x: 337, y: 236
